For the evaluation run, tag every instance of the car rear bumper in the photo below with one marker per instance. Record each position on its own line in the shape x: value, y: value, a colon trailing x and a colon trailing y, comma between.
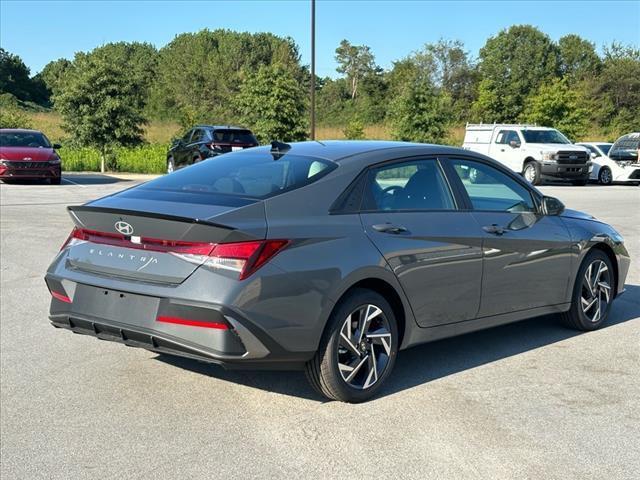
x: 209, y: 333
x: 565, y: 171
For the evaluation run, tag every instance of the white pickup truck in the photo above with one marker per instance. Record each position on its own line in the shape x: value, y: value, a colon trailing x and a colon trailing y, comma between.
x: 536, y: 152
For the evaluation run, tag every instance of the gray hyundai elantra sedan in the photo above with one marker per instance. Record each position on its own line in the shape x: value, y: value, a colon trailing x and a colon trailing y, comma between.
x: 329, y: 257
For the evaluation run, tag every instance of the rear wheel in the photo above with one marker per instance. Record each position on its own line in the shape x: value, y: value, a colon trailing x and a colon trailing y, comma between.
x: 604, y: 176
x: 531, y: 172
x: 358, y: 349
x: 593, y: 293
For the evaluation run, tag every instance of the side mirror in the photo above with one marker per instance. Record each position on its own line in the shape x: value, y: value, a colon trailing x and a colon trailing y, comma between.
x: 594, y: 155
x: 56, y: 146
x: 552, y: 206
x: 514, y: 144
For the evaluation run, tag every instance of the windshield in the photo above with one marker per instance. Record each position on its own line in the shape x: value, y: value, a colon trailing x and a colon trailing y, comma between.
x: 256, y: 175
x: 626, y: 148
x: 24, y: 139
x: 605, y: 147
x: 544, y: 136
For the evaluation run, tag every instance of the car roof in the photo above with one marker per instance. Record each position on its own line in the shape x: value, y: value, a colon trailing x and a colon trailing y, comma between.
x: 338, y: 150
x: 19, y: 130
x: 222, y: 127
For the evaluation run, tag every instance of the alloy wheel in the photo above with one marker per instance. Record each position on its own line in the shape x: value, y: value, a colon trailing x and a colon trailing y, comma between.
x: 364, y: 347
x: 605, y: 176
x: 596, y: 291
x: 530, y: 173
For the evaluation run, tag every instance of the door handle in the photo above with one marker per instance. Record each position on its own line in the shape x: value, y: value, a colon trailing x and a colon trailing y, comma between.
x: 502, y: 149
x: 389, y: 228
x: 494, y: 229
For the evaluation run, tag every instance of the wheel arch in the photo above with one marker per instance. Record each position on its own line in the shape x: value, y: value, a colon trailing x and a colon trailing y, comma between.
x: 608, y: 251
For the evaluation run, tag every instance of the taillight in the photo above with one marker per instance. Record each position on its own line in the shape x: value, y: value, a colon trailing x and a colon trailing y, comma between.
x: 242, y: 257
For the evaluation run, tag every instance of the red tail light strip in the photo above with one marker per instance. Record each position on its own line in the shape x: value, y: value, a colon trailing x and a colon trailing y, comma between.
x: 60, y: 296
x: 252, y: 254
x: 192, y: 323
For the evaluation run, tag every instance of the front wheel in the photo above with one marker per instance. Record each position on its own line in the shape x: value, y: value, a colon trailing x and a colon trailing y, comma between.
x: 604, y: 176
x: 56, y: 180
x: 358, y: 349
x: 531, y: 173
x: 593, y: 293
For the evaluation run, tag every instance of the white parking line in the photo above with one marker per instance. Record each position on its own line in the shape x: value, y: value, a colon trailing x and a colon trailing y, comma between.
x: 71, y: 181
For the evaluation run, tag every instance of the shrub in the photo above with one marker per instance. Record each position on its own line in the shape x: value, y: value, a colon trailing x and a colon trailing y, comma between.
x: 143, y: 159
x: 354, y: 130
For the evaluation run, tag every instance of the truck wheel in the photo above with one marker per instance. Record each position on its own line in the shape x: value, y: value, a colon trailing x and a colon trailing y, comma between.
x: 532, y: 172
x: 604, y: 176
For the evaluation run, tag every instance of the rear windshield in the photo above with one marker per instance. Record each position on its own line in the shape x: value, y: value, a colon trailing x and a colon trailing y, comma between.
x: 256, y: 175
x: 234, y: 137
x: 24, y: 139
x: 626, y: 148
x: 544, y: 136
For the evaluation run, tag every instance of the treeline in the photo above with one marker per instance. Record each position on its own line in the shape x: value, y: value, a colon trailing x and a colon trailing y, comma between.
x: 107, y: 95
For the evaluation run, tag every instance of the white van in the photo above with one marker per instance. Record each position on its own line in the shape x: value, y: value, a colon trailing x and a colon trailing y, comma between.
x: 536, y: 152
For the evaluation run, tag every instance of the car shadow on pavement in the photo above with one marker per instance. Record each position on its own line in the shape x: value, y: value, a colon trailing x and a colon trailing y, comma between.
x: 93, y: 179
x: 430, y: 361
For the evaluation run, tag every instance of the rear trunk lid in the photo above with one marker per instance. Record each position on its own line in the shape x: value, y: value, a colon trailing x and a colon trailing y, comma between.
x: 159, y: 237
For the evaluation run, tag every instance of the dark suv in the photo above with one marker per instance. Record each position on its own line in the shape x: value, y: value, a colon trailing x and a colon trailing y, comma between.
x: 204, y: 141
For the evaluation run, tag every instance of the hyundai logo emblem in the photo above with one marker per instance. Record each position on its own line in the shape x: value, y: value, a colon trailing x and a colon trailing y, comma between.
x: 124, y: 227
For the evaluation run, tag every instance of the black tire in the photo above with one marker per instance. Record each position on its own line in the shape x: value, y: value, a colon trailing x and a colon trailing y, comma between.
x: 323, y: 371
x: 604, y: 176
x: 171, y: 165
x: 56, y: 180
x: 580, y: 183
x: 531, y: 172
x: 576, y: 318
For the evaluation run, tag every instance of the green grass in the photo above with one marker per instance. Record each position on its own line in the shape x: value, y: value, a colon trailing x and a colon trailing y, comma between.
x: 144, y: 159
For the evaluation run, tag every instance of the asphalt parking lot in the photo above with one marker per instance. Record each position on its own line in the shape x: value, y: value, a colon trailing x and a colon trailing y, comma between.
x: 529, y: 400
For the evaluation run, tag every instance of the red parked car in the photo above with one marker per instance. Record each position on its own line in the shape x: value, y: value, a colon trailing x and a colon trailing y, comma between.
x: 28, y: 154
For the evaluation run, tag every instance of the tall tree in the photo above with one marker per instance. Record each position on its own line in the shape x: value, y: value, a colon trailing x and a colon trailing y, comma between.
x: 513, y: 65
x: 101, y: 105
x: 578, y: 58
x: 557, y: 105
x: 15, y: 76
x: 272, y: 102
x: 354, y: 61
x: 53, y: 75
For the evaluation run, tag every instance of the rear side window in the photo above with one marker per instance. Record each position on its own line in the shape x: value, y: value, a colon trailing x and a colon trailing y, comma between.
x: 256, y: 175
x: 234, y: 137
x: 412, y: 185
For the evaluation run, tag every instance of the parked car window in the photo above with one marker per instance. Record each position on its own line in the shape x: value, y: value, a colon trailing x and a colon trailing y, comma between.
x: 504, y: 135
x: 24, y: 139
x: 626, y: 148
x: 490, y: 189
x: 592, y: 149
x: 414, y: 185
x: 234, y: 136
x: 197, y: 136
x: 605, y: 147
x: 187, y: 136
x: 544, y: 136
x: 256, y: 175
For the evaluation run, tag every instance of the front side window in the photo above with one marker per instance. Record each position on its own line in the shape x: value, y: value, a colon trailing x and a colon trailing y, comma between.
x: 505, y: 136
x: 412, y: 185
x: 490, y: 189
x: 187, y: 136
x: 592, y: 149
x: 197, y: 136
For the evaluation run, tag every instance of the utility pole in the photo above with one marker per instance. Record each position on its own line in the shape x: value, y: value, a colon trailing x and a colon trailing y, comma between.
x: 313, y: 70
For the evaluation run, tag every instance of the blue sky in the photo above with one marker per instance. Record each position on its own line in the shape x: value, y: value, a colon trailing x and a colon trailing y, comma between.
x: 41, y: 31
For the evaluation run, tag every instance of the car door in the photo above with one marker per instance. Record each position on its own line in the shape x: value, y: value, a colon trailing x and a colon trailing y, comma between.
x: 411, y: 215
x: 506, y: 149
x: 193, y: 150
x: 527, y: 255
x: 181, y: 152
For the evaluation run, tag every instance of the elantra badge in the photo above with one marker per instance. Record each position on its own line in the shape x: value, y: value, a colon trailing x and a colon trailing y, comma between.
x: 124, y: 227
